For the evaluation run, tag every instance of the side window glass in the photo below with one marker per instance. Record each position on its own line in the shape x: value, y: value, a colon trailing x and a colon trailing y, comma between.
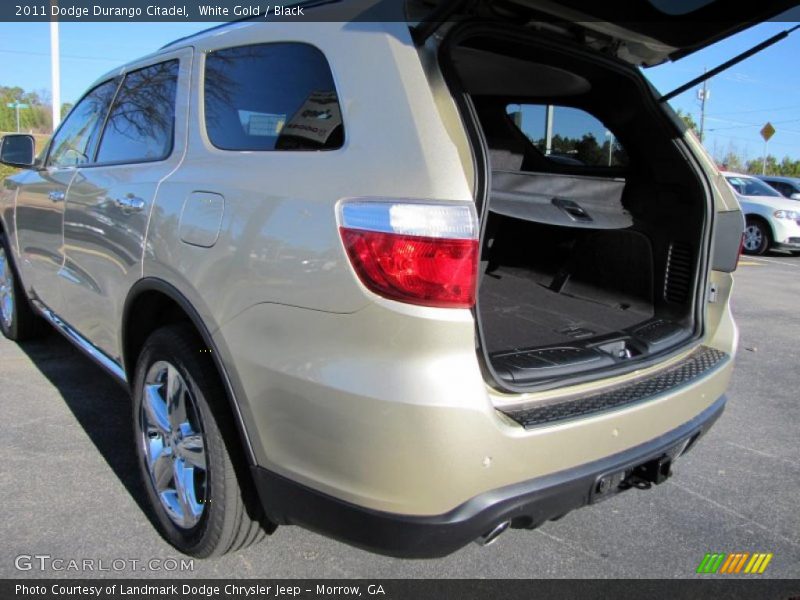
x: 76, y: 140
x: 575, y: 136
x: 277, y: 96
x: 141, y: 123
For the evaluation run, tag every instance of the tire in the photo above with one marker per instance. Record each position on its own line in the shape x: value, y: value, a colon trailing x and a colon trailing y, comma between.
x: 18, y: 321
x: 757, y: 237
x: 189, y: 455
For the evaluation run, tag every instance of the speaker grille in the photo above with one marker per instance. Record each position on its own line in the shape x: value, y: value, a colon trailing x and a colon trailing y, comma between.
x: 678, y: 275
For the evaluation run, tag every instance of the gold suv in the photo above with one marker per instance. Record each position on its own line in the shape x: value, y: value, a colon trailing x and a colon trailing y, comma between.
x: 405, y: 283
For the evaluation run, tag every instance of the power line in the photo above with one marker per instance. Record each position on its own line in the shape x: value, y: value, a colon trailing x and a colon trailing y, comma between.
x: 73, y: 56
x: 746, y: 125
x: 755, y: 110
x: 752, y: 141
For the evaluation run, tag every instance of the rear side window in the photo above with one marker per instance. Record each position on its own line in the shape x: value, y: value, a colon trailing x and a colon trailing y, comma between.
x: 783, y: 188
x: 277, y: 96
x: 76, y: 140
x: 576, y: 137
x: 142, y: 120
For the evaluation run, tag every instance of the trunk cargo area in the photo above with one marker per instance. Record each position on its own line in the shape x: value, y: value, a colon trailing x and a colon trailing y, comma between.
x: 569, y: 285
x: 593, y: 227
x: 572, y: 301
x: 568, y: 288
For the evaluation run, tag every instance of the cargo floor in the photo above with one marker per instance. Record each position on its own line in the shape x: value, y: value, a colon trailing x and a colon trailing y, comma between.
x: 518, y: 312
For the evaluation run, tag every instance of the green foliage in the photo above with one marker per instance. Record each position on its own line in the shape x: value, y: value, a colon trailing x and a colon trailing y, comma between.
x: 586, y: 149
x: 688, y: 119
x: 37, y: 118
x: 786, y: 168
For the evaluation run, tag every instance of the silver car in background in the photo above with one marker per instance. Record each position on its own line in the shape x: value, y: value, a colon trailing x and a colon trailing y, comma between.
x: 772, y: 220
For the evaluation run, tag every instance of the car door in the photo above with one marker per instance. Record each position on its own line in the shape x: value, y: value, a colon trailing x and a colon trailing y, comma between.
x: 42, y: 191
x: 109, y: 199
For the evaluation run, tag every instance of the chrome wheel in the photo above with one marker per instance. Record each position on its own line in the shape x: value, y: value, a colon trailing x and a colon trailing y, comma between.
x: 753, y: 237
x: 6, y: 290
x: 174, y: 444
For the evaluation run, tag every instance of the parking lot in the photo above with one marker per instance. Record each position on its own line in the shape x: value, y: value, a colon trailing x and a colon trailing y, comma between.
x: 69, y: 486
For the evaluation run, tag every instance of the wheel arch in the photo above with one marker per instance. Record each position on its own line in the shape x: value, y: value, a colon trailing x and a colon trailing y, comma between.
x: 762, y: 219
x: 153, y: 303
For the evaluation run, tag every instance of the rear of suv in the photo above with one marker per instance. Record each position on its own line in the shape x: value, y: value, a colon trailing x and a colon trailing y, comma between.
x: 477, y: 281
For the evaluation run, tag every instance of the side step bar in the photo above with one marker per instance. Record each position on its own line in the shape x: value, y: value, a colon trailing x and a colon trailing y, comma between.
x: 82, y: 343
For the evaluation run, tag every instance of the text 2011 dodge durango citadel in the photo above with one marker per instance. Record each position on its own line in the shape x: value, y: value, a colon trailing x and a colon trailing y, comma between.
x: 474, y: 282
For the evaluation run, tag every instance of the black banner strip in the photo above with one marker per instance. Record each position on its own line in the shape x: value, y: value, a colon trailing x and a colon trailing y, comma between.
x: 733, y: 588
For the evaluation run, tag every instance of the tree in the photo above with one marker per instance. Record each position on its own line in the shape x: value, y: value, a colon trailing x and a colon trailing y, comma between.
x: 35, y: 118
x: 732, y: 162
x: 689, y: 121
x: 787, y: 167
x: 754, y: 166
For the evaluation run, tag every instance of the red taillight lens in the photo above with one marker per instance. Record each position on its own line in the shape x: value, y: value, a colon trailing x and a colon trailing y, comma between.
x: 739, y: 255
x: 430, y: 271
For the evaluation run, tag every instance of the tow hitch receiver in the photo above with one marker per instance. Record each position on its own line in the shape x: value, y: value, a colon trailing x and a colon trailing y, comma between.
x: 654, y: 471
x: 642, y: 477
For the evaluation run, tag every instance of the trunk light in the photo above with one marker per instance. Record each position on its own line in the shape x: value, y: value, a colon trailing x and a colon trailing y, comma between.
x: 416, y: 252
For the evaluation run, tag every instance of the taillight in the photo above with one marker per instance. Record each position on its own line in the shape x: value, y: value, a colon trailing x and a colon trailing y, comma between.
x: 739, y: 254
x: 416, y: 252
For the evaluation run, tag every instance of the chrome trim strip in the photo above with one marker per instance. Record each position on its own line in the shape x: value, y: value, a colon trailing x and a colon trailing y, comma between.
x: 82, y: 343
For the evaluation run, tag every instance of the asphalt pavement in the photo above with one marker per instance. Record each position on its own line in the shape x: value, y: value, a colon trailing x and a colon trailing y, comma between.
x: 69, y: 489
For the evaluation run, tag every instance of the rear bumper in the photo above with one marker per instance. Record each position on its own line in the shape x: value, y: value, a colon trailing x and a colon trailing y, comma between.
x: 528, y: 504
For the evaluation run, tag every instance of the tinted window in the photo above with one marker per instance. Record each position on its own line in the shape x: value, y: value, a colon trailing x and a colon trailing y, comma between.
x: 140, y: 126
x: 76, y: 140
x: 271, y: 97
x: 749, y: 186
x: 783, y: 188
x: 577, y: 137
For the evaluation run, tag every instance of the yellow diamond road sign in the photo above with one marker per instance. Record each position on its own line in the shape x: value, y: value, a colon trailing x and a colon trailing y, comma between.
x: 767, y: 131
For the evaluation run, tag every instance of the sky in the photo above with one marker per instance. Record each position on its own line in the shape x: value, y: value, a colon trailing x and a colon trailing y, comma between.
x: 763, y: 88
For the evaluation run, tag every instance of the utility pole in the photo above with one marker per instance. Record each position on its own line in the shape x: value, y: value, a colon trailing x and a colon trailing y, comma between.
x: 548, y: 130
x: 55, y: 70
x: 703, y: 94
x: 766, y: 132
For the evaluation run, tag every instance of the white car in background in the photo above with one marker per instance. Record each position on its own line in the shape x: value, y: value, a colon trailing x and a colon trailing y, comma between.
x: 771, y: 220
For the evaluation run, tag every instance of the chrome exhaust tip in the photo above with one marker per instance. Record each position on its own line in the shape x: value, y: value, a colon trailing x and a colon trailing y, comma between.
x: 492, y: 535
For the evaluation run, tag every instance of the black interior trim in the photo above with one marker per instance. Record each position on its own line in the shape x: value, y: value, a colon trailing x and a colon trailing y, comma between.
x: 665, y: 182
